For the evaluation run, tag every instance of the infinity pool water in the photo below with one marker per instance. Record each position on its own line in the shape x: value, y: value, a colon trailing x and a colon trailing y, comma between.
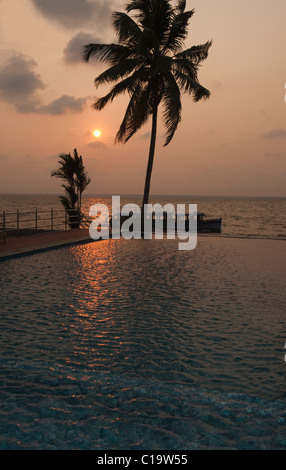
x: 136, y: 345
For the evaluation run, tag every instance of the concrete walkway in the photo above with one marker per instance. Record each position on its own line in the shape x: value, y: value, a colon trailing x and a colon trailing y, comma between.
x: 16, y: 246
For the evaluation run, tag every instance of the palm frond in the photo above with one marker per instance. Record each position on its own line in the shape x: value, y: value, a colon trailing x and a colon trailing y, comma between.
x: 82, y: 181
x: 127, y: 85
x: 196, y: 53
x: 72, y: 195
x: 185, y: 66
x: 66, y: 167
x: 172, y: 107
x: 191, y: 86
x: 178, y: 31
x: 58, y: 174
x: 137, y: 112
x: 66, y: 203
x: 152, y: 14
x: 112, y: 53
x: 142, y: 7
x: 126, y: 29
x: 117, y: 71
x: 181, y: 5
x: 160, y: 17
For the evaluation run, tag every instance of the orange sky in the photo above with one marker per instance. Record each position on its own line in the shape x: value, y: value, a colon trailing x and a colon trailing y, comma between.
x: 233, y: 144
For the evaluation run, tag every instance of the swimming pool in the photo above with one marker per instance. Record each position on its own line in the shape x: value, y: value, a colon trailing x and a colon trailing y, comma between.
x: 135, y: 345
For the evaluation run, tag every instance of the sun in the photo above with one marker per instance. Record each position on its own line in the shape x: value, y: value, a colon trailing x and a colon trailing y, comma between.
x: 97, y: 133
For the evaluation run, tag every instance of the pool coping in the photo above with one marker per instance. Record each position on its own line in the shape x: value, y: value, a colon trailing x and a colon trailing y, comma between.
x: 85, y: 238
x: 42, y: 249
x: 39, y: 247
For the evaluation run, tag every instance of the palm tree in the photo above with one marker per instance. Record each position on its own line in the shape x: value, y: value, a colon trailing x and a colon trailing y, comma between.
x: 149, y: 63
x: 73, y: 172
x: 81, y: 177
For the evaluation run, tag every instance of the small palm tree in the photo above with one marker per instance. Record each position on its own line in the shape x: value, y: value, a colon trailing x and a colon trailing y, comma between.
x: 149, y: 63
x: 81, y: 177
x: 73, y: 172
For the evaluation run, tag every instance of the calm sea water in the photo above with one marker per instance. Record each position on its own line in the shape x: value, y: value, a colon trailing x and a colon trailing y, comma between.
x: 136, y: 345
x: 242, y: 217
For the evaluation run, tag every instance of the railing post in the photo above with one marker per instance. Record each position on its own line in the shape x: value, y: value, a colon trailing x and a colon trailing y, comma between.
x: 52, y: 220
x: 18, y: 223
x: 4, y: 227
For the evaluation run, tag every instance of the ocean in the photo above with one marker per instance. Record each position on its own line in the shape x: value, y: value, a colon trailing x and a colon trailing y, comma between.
x: 246, y: 217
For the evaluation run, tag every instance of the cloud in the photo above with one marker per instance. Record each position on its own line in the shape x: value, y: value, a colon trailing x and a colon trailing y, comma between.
x: 74, y: 48
x: 96, y: 144
x: 20, y: 84
x: 18, y: 79
x: 63, y: 104
x: 275, y: 134
x: 77, y: 13
x: 69, y: 13
x: 57, y: 107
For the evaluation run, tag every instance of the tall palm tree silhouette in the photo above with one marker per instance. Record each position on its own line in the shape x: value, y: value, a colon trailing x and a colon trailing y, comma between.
x: 149, y: 64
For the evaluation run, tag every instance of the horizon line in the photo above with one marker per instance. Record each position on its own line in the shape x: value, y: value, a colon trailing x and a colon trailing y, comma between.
x: 140, y: 195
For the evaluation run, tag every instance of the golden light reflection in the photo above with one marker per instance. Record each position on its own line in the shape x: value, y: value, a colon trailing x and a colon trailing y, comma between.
x: 96, y: 329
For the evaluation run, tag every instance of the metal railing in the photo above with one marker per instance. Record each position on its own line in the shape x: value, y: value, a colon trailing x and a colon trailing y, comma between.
x: 26, y: 223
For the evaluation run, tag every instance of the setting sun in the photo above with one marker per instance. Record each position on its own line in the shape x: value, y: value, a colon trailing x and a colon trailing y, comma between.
x: 97, y: 133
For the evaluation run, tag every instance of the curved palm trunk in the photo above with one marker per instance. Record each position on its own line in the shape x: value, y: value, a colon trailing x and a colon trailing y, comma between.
x: 150, y: 164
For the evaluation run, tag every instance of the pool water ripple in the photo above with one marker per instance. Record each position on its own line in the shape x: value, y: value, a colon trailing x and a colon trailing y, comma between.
x: 128, y: 345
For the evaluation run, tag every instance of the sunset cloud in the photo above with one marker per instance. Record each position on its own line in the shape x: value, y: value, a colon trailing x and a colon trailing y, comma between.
x: 69, y: 13
x: 76, y: 13
x: 96, y: 144
x: 275, y: 134
x: 74, y: 48
x: 18, y: 79
x: 57, y: 107
x: 20, y: 84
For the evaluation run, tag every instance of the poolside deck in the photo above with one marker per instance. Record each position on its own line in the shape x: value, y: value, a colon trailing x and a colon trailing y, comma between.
x: 38, y: 242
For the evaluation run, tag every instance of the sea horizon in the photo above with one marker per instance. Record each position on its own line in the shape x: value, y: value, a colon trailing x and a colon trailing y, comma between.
x: 86, y: 194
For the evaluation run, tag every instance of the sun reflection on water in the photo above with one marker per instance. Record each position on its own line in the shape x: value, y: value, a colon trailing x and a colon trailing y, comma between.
x: 98, y: 330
